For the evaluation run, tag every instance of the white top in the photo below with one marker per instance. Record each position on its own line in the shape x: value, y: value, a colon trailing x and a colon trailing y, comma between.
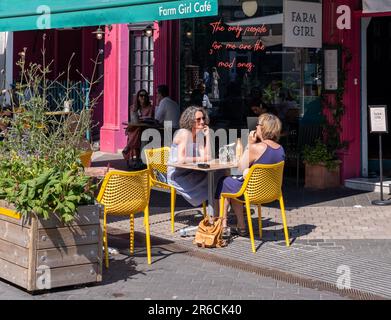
x: 206, y: 102
x: 168, y: 110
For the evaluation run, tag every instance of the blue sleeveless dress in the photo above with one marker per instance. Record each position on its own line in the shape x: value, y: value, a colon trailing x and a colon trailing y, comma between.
x: 233, y: 184
x: 191, y: 184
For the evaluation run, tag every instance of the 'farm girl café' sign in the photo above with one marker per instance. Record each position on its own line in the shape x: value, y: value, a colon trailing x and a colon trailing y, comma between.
x: 302, y: 24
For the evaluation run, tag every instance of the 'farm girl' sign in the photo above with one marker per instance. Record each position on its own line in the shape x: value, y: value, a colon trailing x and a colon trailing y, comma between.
x: 302, y: 24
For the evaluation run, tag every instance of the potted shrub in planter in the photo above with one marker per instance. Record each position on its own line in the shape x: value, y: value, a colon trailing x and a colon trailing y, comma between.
x: 322, y: 168
x: 50, y: 225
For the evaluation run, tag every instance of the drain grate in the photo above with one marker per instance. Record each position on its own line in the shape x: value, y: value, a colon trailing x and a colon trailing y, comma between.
x: 246, y: 267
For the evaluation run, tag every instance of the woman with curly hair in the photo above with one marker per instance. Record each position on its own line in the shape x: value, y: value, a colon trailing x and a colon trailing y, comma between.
x: 141, y: 108
x: 191, y: 144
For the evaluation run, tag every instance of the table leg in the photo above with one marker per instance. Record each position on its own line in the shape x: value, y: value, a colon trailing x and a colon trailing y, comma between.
x: 210, y: 193
x: 184, y: 231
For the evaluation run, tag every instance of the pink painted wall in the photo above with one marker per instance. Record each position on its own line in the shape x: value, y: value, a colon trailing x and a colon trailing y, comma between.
x: 116, y: 70
x: 351, y: 123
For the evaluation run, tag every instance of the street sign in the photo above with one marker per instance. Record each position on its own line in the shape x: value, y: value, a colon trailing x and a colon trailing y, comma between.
x: 378, y: 121
x: 378, y: 118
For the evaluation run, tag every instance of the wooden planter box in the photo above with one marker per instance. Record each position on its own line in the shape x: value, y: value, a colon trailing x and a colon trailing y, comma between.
x: 319, y: 177
x: 36, y: 254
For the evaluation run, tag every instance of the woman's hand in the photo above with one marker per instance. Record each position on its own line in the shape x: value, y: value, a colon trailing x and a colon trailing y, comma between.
x: 206, y: 131
x: 245, y: 172
x: 252, y: 137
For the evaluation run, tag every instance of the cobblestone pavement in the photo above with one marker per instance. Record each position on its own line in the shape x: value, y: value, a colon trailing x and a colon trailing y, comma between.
x: 328, y: 229
x: 172, y: 275
x: 323, y: 239
x: 331, y: 222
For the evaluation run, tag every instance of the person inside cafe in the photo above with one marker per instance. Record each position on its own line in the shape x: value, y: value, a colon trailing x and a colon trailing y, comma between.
x: 256, y: 105
x: 262, y: 148
x: 196, y: 98
x: 205, y: 99
x: 141, y: 109
x: 191, y: 144
x: 167, y: 109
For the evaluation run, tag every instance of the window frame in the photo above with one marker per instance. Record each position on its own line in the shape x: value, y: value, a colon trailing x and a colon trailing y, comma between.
x: 140, y: 58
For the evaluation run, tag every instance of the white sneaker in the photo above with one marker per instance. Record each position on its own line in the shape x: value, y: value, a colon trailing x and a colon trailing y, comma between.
x: 112, y: 251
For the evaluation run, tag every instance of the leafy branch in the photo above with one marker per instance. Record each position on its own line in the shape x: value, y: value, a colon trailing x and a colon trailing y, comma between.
x: 334, y: 110
x: 40, y: 168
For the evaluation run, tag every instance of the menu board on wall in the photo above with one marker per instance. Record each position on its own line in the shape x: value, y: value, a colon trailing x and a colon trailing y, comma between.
x: 331, y: 68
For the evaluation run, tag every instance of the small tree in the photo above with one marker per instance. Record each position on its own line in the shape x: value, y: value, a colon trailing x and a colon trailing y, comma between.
x: 40, y: 169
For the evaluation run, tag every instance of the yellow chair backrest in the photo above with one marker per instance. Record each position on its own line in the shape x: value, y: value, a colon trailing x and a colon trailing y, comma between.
x: 123, y: 193
x: 157, y: 160
x: 263, y: 182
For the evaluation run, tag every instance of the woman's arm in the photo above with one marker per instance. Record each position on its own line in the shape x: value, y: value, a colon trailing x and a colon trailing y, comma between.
x: 205, y: 148
x: 244, y: 161
x: 251, y: 154
x: 183, y: 139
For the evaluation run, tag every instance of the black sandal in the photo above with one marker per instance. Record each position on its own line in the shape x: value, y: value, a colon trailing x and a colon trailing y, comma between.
x: 239, y: 232
x: 226, y: 234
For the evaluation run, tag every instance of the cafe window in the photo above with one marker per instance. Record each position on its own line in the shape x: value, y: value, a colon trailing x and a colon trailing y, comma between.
x: 141, y: 62
x: 241, y: 59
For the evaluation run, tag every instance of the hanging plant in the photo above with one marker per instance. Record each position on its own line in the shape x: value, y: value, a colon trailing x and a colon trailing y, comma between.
x: 334, y: 110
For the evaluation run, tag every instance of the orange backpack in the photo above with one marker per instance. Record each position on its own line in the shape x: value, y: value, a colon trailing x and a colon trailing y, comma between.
x: 209, y: 233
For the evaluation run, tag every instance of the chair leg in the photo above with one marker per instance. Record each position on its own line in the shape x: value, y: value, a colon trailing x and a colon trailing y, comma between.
x: 204, y: 209
x: 222, y: 206
x: 173, y: 197
x: 250, y: 224
x: 259, y: 221
x: 284, y: 221
x: 105, y: 239
x: 146, y: 216
x: 131, y: 234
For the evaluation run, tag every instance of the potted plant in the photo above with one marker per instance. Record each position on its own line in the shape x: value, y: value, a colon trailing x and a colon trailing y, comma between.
x: 322, y: 164
x: 321, y: 167
x: 50, y: 225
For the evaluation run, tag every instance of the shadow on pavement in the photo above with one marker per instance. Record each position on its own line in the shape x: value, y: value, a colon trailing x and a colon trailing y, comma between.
x: 294, y: 197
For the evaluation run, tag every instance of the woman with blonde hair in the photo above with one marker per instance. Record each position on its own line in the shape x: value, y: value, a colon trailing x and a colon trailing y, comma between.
x: 262, y: 148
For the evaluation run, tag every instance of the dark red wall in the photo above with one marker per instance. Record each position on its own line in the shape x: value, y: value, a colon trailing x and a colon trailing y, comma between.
x: 351, y: 122
x: 60, y: 44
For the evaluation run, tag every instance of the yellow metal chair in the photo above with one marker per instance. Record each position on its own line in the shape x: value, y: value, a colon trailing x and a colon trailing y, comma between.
x: 262, y: 185
x: 157, y: 164
x: 126, y: 193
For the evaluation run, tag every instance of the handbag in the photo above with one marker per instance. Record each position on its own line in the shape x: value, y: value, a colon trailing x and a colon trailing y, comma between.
x: 209, y: 233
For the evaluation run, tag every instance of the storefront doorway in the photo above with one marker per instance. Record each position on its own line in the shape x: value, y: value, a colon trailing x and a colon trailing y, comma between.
x: 378, y: 64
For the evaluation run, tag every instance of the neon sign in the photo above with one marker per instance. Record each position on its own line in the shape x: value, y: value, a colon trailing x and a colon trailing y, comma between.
x: 239, y: 31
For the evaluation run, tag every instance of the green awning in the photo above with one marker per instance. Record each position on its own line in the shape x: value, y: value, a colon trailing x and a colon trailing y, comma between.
x: 16, y: 15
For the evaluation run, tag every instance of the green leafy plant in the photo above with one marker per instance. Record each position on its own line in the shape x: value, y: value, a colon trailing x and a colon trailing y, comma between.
x: 334, y: 110
x: 320, y: 154
x: 40, y: 168
x: 277, y: 88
